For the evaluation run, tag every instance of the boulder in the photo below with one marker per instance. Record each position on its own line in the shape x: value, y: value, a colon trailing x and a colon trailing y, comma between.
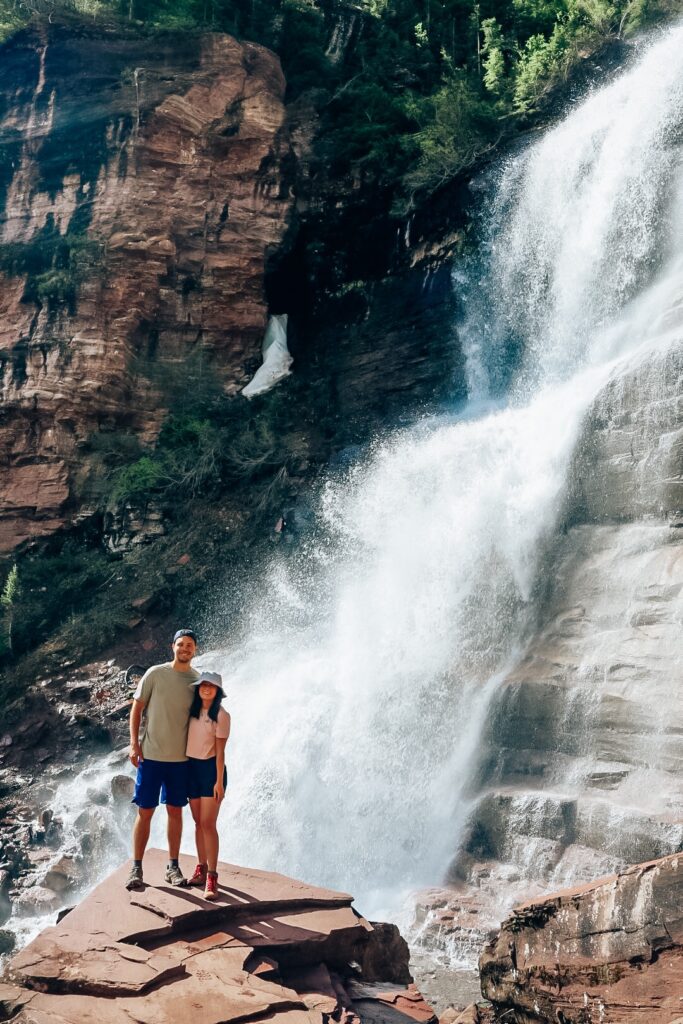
x: 62, y: 874
x: 122, y: 788
x: 609, y: 951
x: 35, y: 899
x: 268, y: 947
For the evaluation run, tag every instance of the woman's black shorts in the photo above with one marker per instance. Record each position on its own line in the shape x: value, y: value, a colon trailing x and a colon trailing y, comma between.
x: 201, y: 777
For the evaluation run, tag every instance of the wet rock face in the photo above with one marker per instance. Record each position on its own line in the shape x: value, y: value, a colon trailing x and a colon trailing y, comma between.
x: 584, y: 774
x: 268, y: 947
x: 630, y: 461
x: 585, y: 739
x: 610, y: 951
x: 141, y: 189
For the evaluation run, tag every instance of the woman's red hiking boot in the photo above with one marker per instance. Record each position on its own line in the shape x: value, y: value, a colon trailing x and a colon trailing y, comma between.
x: 211, y: 889
x: 199, y: 876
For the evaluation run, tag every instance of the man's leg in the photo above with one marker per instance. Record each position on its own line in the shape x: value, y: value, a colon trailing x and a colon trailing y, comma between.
x: 174, y: 793
x: 141, y: 829
x: 174, y: 830
x: 146, y: 796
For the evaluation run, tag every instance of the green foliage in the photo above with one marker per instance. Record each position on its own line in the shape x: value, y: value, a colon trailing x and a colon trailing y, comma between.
x: 410, y: 100
x: 139, y: 480
x: 541, y: 63
x: 8, y: 597
x: 13, y: 16
x: 55, y: 585
x: 229, y: 442
x: 54, y: 265
x: 456, y: 126
x: 493, y: 53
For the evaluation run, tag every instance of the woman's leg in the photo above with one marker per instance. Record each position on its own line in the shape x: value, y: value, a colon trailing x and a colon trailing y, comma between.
x: 209, y: 814
x: 196, y: 808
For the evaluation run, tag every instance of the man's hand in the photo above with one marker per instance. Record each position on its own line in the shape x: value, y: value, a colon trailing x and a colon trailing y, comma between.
x: 218, y: 791
x: 135, y: 752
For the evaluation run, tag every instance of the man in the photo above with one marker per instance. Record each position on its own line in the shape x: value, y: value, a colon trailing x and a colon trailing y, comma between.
x: 165, y: 692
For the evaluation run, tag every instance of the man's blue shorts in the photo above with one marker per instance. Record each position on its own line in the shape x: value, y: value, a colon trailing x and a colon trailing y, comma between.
x: 165, y: 779
x: 201, y: 777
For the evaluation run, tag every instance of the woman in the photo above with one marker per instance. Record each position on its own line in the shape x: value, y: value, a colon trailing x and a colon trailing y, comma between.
x: 207, y: 736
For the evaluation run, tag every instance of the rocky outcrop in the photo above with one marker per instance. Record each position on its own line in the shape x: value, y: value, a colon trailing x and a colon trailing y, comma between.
x: 610, y: 951
x: 585, y: 738
x: 143, y: 187
x: 582, y: 761
x: 269, y: 948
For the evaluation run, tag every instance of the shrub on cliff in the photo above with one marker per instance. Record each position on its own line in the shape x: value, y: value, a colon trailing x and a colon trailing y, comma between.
x: 230, y: 442
x: 56, y: 583
x: 138, y: 481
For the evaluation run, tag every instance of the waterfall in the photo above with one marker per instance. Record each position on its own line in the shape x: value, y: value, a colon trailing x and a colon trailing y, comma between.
x: 361, y: 675
x: 360, y: 680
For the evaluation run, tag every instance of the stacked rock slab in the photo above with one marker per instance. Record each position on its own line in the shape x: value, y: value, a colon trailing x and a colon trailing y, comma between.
x: 269, y: 948
x: 606, y: 953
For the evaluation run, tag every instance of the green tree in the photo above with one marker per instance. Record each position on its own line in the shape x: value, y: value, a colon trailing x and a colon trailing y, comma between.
x: 7, y: 599
x: 493, y: 54
x: 456, y: 126
x: 541, y: 63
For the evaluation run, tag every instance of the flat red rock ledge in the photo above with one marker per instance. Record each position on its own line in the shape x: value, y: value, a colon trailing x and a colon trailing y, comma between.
x: 607, y: 953
x: 269, y: 948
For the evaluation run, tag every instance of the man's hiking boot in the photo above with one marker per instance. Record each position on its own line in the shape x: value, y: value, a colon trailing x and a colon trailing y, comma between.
x: 134, y: 881
x: 199, y: 876
x: 174, y: 875
x: 211, y: 889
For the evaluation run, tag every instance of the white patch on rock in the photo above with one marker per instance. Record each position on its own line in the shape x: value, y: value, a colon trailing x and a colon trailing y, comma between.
x: 276, y: 358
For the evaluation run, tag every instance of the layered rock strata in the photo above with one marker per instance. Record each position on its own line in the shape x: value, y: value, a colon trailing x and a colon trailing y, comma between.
x: 609, y: 951
x: 142, y: 190
x: 269, y: 948
x: 584, y: 768
x: 582, y: 761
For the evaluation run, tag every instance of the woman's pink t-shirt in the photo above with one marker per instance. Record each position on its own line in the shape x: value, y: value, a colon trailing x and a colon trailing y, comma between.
x: 203, y: 733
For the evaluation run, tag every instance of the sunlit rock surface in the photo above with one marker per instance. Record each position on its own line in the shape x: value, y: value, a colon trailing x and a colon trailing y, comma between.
x: 268, y: 948
x: 608, y: 951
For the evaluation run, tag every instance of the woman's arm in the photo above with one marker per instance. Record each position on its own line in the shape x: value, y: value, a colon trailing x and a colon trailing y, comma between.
x: 219, y: 789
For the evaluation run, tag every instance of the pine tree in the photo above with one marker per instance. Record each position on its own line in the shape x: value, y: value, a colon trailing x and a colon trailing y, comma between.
x: 7, y: 600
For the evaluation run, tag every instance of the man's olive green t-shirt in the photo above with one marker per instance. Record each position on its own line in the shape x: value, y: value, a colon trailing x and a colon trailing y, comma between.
x: 167, y: 695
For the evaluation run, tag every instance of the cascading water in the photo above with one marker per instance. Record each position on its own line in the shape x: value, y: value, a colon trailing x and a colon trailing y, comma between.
x: 360, y: 681
x: 363, y: 679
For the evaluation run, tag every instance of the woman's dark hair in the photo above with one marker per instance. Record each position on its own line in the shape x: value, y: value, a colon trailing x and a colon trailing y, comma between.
x: 196, y: 705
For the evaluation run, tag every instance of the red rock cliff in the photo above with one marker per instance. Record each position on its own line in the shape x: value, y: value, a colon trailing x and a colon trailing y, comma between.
x: 141, y: 191
x: 606, y: 953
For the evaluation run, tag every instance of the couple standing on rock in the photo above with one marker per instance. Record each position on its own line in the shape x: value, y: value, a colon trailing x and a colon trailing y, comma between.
x: 181, y: 757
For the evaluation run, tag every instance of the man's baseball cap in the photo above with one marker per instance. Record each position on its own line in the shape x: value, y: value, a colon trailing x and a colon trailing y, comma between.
x: 210, y: 677
x: 185, y: 632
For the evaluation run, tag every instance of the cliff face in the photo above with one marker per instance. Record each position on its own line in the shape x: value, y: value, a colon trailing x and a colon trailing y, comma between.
x: 585, y: 740
x: 583, y: 748
x: 143, y: 187
x: 610, y: 951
